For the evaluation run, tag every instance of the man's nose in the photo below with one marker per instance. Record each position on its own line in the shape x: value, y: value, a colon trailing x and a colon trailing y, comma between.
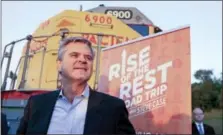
x: 81, y: 58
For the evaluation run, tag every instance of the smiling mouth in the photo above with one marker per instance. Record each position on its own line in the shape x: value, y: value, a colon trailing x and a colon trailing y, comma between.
x: 80, y: 69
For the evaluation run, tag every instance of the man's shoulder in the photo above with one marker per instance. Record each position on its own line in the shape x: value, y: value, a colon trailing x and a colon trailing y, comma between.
x: 209, y: 129
x: 45, y: 95
x: 110, y: 99
x: 193, y: 124
x: 208, y: 126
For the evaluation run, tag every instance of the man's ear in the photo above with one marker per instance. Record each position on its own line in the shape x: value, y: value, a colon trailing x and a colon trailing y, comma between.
x: 59, y: 65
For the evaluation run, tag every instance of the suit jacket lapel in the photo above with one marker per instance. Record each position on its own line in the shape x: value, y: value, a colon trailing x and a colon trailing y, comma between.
x: 205, y: 128
x: 92, y: 121
x: 45, y: 113
x: 194, y: 128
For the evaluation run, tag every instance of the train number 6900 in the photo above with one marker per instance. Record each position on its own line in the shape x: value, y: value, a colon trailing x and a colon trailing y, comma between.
x: 120, y: 14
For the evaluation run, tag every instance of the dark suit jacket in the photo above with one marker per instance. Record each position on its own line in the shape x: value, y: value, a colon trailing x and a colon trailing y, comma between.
x: 4, y: 125
x: 105, y: 115
x: 208, y: 130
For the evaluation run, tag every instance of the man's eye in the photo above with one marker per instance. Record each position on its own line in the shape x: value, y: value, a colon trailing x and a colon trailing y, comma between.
x: 89, y: 58
x: 74, y: 55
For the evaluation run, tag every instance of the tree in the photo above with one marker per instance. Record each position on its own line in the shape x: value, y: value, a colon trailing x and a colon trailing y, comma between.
x: 207, y: 93
x: 203, y: 75
x: 220, y: 100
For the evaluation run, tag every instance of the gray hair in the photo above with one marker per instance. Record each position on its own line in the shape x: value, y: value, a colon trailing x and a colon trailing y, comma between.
x: 68, y: 40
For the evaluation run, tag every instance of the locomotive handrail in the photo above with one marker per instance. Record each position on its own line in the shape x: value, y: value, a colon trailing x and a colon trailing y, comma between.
x: 62, y: 33
x: 9, y: 55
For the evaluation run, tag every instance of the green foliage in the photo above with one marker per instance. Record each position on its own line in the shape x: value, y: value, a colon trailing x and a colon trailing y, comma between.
x: 220, y: 101
x: 203, y: 75
x: 207, y: 93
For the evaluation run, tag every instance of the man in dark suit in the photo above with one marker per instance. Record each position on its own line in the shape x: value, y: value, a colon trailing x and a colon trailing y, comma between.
x: 75, y: 108
x: 4, y: 124
x: 198, y: 127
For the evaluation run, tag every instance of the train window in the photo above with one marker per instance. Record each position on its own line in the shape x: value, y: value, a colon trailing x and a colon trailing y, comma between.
x: 157, y: 30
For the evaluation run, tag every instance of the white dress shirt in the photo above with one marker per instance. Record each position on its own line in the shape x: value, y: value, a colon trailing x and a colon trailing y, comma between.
x: 69, y: 118
x: 202, y: 126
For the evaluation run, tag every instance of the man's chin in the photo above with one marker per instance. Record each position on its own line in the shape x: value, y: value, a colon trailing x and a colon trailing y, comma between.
x: 80, y: 79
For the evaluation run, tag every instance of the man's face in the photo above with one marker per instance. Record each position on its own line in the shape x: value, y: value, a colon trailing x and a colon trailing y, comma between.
x: 198, y: 115
x: 77, y: 62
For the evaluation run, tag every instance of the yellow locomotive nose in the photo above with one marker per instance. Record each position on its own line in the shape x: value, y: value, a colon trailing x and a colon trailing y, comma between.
x: 41, y: 72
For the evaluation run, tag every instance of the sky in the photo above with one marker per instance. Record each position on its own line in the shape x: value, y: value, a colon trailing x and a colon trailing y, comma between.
x: 21, y: 18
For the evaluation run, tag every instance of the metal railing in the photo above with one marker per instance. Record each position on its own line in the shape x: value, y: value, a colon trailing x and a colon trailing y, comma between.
x: 63, y: 33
